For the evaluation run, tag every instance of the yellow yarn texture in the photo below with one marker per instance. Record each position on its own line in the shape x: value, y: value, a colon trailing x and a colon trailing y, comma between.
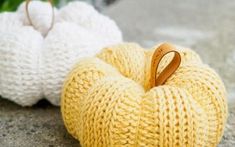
x: 107, y: 101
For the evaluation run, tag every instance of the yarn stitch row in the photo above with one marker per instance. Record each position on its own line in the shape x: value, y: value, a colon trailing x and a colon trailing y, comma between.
x: 33, y: 65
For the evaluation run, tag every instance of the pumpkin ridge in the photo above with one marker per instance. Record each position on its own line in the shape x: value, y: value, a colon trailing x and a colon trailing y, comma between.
x: 219, y: 104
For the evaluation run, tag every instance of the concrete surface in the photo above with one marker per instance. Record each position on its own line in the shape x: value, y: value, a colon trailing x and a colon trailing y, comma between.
x: 39, y: 126
x: 206, y: 26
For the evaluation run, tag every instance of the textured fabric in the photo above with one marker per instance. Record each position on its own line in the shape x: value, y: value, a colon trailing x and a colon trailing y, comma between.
x: 9, y: 20
x: 33, y: 65
x: 107, y: 101
x: 40, y: 14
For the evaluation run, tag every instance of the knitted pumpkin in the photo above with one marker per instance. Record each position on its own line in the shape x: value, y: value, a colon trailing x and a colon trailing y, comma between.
x: 36, y: 54
x: 118, y: 99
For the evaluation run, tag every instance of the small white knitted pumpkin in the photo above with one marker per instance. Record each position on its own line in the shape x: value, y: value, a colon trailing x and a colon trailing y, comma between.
x: 34, y: 62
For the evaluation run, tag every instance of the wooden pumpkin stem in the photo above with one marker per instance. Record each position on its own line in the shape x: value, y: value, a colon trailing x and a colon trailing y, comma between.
x: 30, y: 20
x: 158, y: 54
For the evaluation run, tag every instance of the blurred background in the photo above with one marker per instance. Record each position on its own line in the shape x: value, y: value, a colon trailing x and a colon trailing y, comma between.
x: 206, y: 26
x: 11, y: 5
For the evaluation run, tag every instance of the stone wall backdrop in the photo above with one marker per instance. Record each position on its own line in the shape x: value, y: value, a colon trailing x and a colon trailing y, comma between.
x: 207, y: 26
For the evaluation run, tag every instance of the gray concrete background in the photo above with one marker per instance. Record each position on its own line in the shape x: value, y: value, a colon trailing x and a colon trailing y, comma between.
x: 207, y: 26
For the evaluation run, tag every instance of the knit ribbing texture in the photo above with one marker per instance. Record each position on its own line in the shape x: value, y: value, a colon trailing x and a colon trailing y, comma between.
x: 107, y: 101
x: 34, y: 62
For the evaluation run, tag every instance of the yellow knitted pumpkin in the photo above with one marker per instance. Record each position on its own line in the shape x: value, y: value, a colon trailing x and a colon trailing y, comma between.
x: 109, y: 100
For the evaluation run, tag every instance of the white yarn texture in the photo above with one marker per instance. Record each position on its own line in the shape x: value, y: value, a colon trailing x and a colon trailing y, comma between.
x: 33, y: 65
x: 40, y: 14
x: 9, y: 20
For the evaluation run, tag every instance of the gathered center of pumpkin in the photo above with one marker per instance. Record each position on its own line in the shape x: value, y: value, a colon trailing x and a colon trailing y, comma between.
x: 30, y: 20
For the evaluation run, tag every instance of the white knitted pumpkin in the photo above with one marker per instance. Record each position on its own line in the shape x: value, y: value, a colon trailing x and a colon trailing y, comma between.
x: 34, y: 62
